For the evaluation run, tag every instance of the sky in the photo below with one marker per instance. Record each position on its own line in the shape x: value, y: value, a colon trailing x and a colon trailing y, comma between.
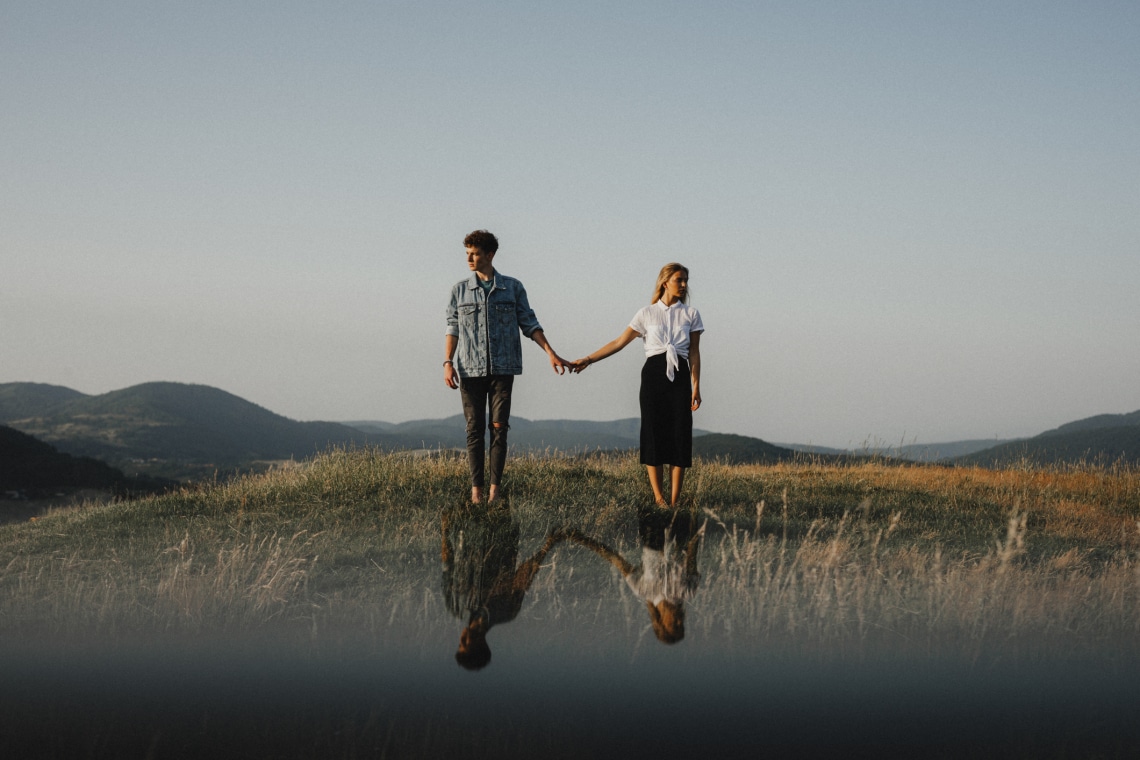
x: 905, y: 222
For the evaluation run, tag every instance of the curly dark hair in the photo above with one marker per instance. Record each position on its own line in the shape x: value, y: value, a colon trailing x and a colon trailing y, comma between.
x: 483, y: 240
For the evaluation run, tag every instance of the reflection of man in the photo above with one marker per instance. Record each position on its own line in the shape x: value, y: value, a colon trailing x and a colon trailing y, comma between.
x: 480, y: 546
x: 667, y: 576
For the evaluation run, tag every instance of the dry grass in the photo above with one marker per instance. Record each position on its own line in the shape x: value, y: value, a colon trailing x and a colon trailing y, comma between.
x: 828, y: 558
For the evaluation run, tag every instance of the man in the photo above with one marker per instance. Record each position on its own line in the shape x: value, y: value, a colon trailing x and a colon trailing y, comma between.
x: 484, y: 317
x: 484, y: 584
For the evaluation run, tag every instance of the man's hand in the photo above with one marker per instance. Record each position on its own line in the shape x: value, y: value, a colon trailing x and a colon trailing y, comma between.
x: 450, y: 376
x: 559, y: 364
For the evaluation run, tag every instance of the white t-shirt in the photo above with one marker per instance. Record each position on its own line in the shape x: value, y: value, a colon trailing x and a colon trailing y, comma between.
x: 666, y: 330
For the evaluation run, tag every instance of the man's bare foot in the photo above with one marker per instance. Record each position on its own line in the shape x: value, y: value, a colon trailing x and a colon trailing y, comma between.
x: 494, y: 496
x: 476, y: 495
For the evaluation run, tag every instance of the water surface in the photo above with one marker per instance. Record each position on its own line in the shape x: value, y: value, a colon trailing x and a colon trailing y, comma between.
x: 577, y: 667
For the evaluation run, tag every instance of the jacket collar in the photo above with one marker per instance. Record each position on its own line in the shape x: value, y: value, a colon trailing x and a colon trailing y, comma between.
x: 474, y: 280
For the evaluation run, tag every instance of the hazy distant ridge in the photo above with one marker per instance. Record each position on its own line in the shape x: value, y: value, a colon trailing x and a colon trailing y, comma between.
x: 183, y: 430
x: 914, y: 452
x: 1102, y: 439
x: 1097, y: 422
x: 21, y: 400
x: 166, y: 428
x: 534, y: 435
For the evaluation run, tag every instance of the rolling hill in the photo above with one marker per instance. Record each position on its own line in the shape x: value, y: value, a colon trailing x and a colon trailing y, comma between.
x: 1102, y: 439
x: 21, y: 400
x: 911, y: 452
x: 525, y: 435
x: 169, y: 429
x: 740, y: 449
x: 34, y: 476
x: 26, y: 463
x: 1097, y: 422
x: 192, y: 431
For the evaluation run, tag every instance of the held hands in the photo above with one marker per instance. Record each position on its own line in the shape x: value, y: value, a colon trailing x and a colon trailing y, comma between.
x: 559, y: 364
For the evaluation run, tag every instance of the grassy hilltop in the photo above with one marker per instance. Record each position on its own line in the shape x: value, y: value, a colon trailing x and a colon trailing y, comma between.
x: 931, y: 558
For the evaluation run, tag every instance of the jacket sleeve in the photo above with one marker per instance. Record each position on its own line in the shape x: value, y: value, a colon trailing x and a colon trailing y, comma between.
x: 453, y: 313
x: 524, y: 315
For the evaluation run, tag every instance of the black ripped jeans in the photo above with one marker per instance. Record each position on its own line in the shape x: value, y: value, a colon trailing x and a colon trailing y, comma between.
x: 478, y: 394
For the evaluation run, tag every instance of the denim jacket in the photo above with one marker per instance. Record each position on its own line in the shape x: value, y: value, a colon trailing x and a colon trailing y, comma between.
x: 488, y: 325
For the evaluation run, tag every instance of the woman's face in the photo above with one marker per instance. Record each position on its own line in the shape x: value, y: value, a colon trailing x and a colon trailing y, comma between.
x: 677, y: 286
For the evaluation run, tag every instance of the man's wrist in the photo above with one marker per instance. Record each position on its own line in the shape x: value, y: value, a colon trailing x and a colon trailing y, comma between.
x: 448, y: 361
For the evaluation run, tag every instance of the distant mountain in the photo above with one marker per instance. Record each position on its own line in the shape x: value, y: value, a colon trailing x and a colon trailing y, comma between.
x: 1097, y: 422
x: 1103, y: 439
x: 915, y: 452
x: 527, y: 435
x: 189, y: 431
x: 30, y: 464
x: 939, y: 452
x: 807, y: 448
x: 172, y: 429
x: 739, y: 449
x: 22, y: 400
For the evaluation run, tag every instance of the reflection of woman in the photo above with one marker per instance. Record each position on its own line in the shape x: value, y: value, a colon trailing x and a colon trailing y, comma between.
x: 670, y: 379
x: 667, y: 576
x: 481, y: 584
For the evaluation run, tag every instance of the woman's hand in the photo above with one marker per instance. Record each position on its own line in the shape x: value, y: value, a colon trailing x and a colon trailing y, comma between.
x: 581, y: 364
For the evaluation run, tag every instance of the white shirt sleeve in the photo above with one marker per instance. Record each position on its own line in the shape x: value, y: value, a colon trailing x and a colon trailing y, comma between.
x: 637, y: 324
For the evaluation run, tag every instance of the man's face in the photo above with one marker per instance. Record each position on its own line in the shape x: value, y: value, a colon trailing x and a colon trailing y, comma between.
x: 478, y: 261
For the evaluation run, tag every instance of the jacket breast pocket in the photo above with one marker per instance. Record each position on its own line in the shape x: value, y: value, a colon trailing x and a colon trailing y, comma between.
x: 503, y: 315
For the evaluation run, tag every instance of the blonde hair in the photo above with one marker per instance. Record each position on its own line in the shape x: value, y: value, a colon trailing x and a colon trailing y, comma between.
x: 663, y: 276
x: 668, y: 620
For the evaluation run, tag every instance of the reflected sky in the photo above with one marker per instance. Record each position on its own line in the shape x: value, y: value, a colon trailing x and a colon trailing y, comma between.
x: 555, y: 641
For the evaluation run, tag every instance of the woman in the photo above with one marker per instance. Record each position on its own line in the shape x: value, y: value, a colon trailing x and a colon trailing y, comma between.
x: 670, y: 379
x: 667, y: 576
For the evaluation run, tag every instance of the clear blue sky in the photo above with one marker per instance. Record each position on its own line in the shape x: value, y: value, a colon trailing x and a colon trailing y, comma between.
x: 905, y: 221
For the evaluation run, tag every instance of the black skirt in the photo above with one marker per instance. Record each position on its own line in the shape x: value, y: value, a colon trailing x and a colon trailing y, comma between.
x: 666, y: 414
